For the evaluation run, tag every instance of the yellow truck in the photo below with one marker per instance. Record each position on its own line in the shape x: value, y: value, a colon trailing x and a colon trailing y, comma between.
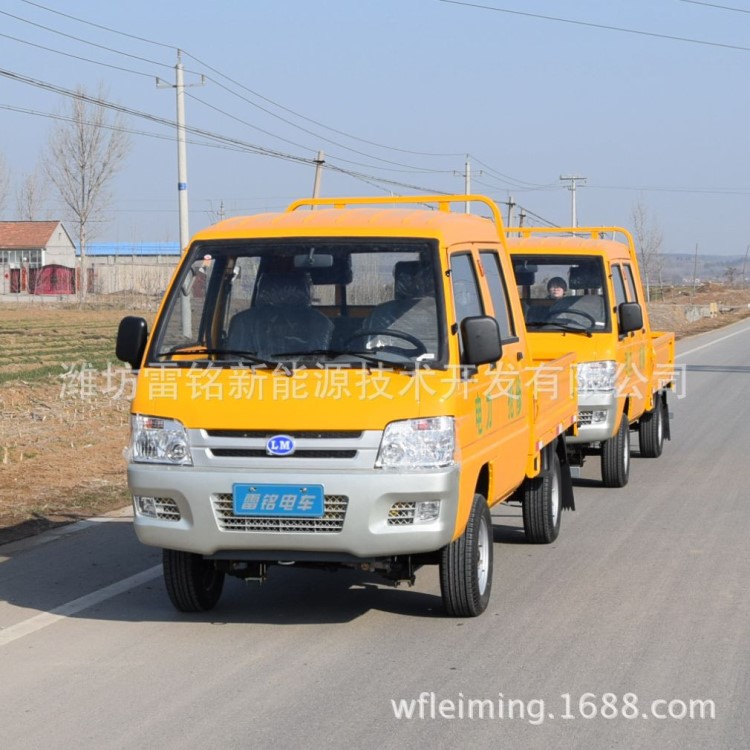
x: 581, y: 293
x: 347, y: 383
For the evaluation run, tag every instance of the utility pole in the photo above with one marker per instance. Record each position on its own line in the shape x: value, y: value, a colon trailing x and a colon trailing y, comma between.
x: 182, y: 195
x: 466, y: 174
x: 511, y: 206
x: 573, y: 179
x: 744, y: 266
x: 319, y: 162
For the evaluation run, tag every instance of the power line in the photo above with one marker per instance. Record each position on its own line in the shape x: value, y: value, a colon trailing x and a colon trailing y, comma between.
x: 84, y: 41
x: 606, y: 27
x: 237, y: 83
x: 99, y: 26
x: 76, y: 57
x: 714, y: 5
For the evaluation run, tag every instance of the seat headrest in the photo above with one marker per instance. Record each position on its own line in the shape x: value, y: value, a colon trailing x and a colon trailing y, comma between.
x: 290, y: 288
x: 412, y: 279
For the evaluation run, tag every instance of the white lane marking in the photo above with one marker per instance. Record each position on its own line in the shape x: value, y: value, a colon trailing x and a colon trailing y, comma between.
x: 711, y: 343
x: 32, y: 625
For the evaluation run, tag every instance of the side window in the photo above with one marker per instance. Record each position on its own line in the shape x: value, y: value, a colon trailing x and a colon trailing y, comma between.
x: 466, y: 295
x: 619, y: 283
x: 631, y: 281
x: 498, y: 293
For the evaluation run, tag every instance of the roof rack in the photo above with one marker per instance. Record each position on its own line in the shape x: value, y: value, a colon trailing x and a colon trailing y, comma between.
x: 443, y: 203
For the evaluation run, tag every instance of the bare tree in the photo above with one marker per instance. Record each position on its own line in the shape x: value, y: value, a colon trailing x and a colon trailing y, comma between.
x: 648, y: 240
x: 84, y: 153
x: 4, y: 183
x: 32, y: 196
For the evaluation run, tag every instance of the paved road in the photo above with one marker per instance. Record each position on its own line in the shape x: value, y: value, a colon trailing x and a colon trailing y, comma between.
x: 643, y: 597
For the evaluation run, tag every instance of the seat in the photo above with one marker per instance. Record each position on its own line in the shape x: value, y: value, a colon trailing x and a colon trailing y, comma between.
x: 412, y: 311
x: 281, y: 319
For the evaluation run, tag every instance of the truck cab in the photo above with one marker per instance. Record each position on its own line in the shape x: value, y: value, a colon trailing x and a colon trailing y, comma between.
x: 581, y: 293
x: 349, y: 386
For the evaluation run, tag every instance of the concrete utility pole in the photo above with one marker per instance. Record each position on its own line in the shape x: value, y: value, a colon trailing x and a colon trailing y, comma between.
x: 182, y: 195
x: 319, y: 162
x: 466, y: 174
x: 573, y: 179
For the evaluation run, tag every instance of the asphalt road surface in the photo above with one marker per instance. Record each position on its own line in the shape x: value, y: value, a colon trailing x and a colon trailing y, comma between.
x: 630, y: 631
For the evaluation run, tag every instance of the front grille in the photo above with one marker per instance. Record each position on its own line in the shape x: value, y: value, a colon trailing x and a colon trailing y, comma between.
x: 259, y: 453
x: 331, y: 522
x: 585, y: 417
x: 401, y: 514
x: 297, y: 434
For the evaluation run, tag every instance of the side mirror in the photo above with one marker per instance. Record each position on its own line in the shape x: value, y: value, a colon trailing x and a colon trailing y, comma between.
x: 132, y: 335
x: 630, y: 317
x: 480, y: 335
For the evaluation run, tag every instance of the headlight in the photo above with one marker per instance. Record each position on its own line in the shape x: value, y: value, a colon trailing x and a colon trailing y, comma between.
x: 418, y: 444
x: 597, y: 376
x: 154, y: 440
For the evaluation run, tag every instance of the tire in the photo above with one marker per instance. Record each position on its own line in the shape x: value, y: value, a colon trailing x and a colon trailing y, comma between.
x: 466, y: 565
x: 616, y: 456
x: 193, y: 584
x: 542, y: 504
x: 651, y: 430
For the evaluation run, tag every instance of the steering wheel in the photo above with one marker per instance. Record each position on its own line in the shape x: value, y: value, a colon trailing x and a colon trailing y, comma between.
x: 562, y: 314
x: 418, y: 347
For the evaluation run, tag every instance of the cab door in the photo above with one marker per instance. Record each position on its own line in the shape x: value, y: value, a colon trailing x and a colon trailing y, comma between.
x: 643, y: 364
x: 633, y: 379
x: 493, y: 423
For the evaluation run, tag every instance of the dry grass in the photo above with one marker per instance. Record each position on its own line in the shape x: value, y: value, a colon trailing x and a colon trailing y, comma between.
x: 64, y: 404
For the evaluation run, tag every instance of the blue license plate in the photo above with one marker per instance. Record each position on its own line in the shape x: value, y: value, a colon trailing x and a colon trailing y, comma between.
x: 279, y: 500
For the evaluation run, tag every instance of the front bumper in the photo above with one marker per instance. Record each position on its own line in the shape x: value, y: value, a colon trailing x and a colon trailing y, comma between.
x: 367, y: 511
x: 598, y: 418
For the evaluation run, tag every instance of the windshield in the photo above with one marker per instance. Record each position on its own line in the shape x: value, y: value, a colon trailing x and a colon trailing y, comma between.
x: 304, y: 302
x: 565, y: 293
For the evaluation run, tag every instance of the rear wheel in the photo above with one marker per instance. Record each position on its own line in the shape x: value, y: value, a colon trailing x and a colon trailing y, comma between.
x: 542, y: 504
x: 651, y: 431
x: 193, y: 584
x: 466, y: 565
x: 616, y: 456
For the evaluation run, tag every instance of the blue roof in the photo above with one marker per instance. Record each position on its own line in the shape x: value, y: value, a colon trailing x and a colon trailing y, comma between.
x: 131, y: 248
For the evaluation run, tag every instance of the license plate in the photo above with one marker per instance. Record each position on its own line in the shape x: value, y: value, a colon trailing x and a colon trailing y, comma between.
x: 279, y: 500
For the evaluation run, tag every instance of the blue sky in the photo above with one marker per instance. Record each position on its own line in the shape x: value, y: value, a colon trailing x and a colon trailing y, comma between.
x: 399, y: 92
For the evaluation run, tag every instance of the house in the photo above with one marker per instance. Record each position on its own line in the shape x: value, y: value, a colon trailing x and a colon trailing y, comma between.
x: 28, y: 246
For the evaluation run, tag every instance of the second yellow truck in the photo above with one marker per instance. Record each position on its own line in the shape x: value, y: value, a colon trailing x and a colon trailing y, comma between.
x: 581, y: 293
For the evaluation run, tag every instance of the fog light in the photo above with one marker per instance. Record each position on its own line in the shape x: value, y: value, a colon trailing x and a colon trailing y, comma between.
x: 427, y: 511
x: 145, y: 505
x: 598, y: 416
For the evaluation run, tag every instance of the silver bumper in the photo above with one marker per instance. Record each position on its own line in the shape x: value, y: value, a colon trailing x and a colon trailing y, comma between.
x: 368, y: 515
x: 598, y: 415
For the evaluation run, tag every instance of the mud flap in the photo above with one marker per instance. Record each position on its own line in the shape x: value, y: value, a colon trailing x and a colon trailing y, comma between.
x: 568, y: 500
x: 665, y: 407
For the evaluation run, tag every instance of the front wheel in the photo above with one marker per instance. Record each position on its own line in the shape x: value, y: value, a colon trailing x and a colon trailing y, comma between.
x: 466, y: 565
x: 616, y: 456
x: 542, y: 504
x: 651, y: 430
x: 193, y: 584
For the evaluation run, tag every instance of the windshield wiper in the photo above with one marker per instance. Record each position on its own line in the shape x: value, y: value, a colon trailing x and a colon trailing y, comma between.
x: 239, y: 354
